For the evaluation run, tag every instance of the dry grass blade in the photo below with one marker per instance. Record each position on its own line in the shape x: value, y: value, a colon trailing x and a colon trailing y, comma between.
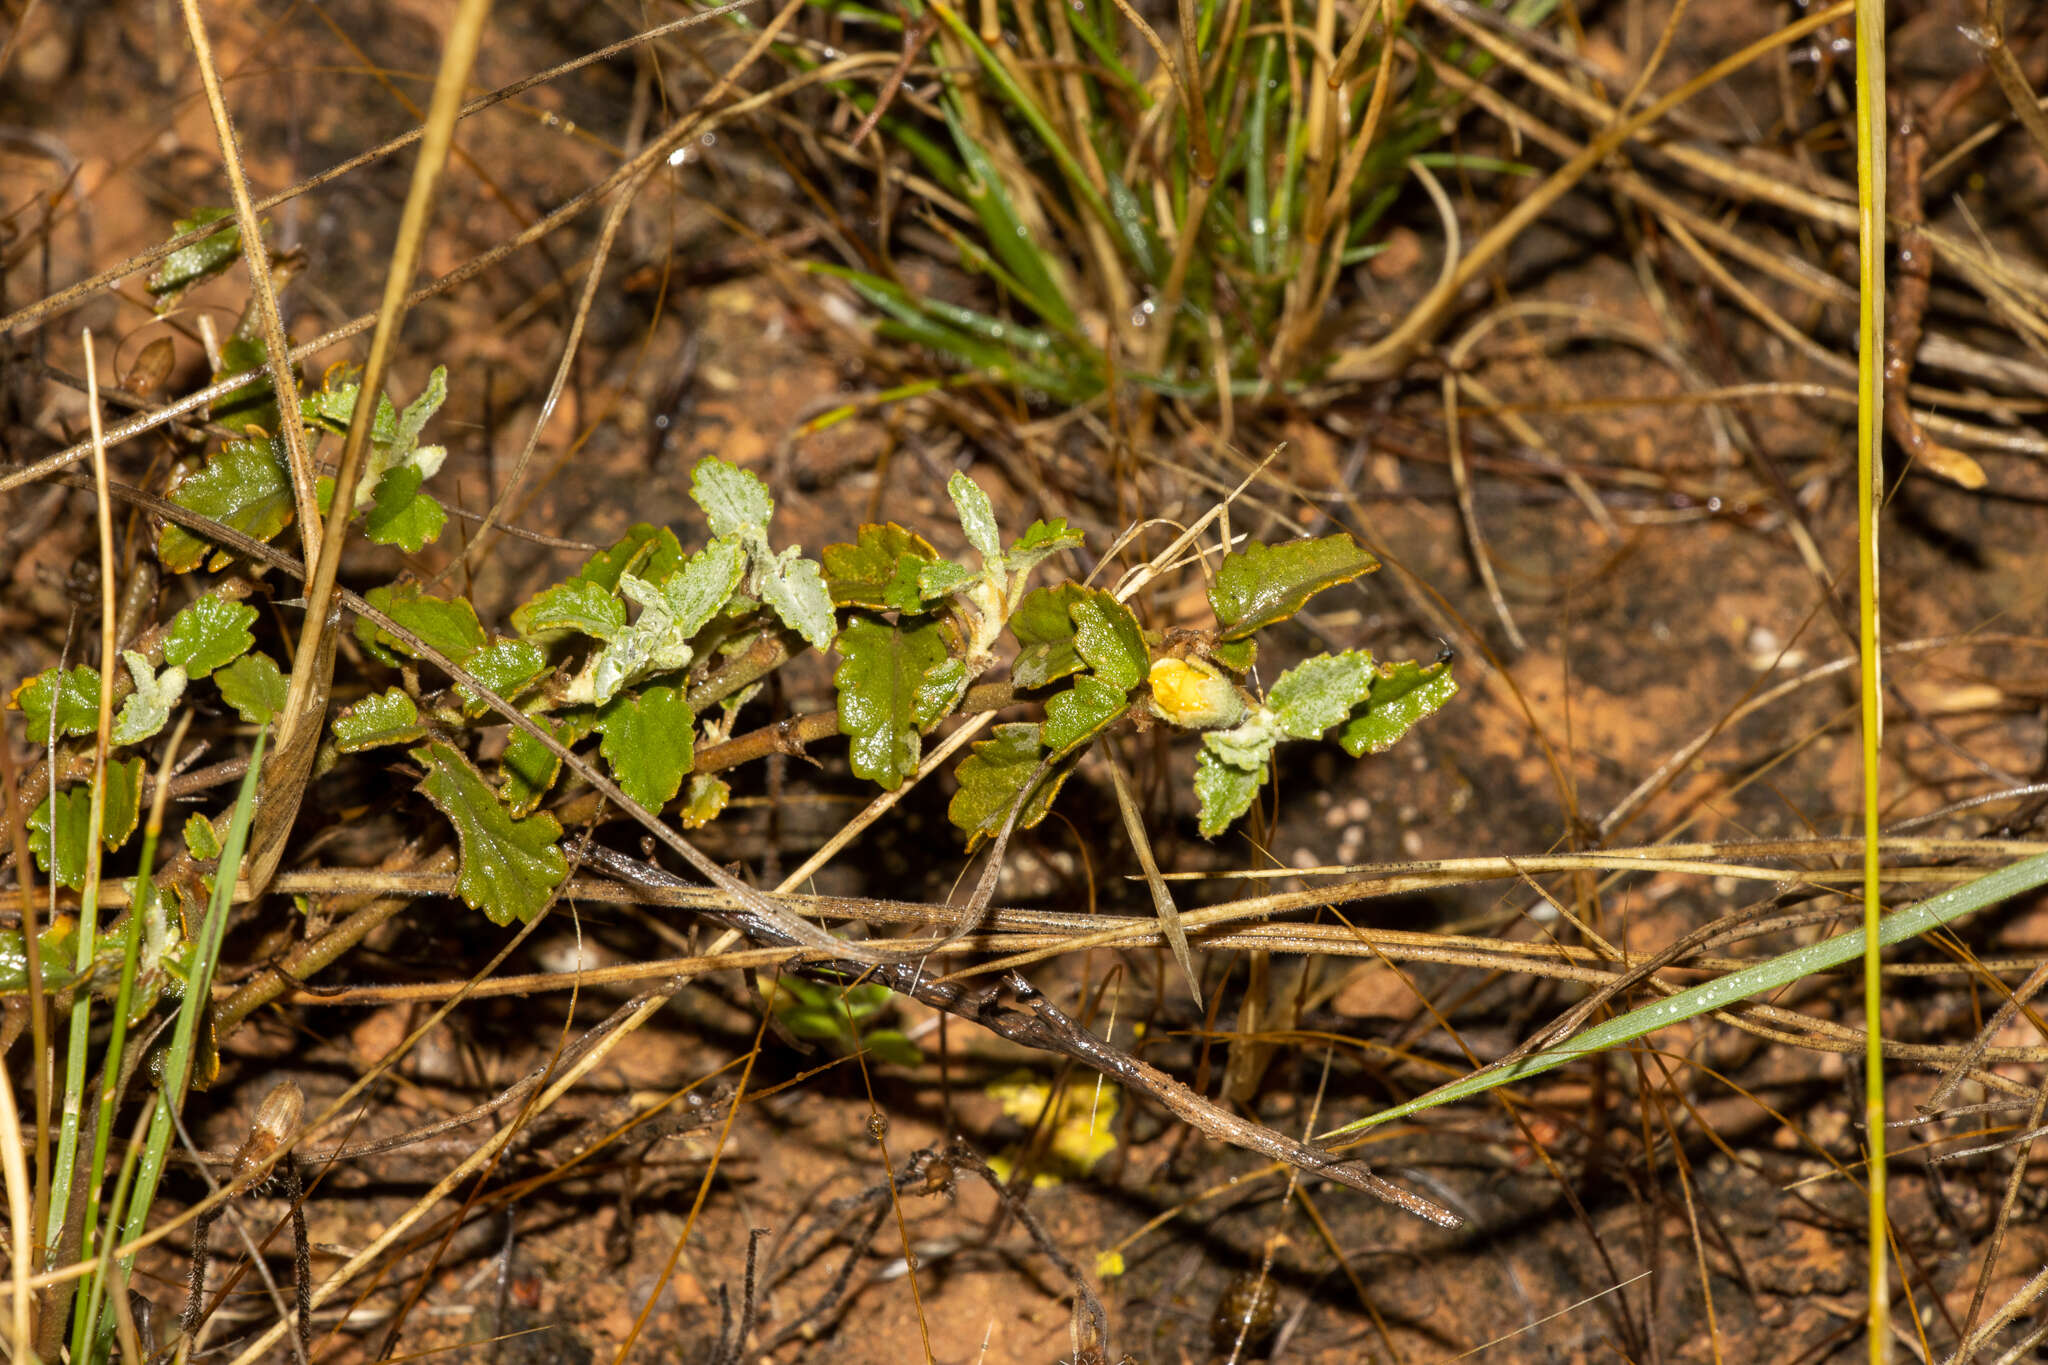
x: 1162, y: 898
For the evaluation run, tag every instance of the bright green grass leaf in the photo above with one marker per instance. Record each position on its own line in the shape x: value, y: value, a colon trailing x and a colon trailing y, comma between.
x: 942, y: 577
x: 1402, y: 694
x: 387, y: 717
x: 200, y: 839
x: 254, y: 686
x: 210, y: 633
x: 1316, y: 694
x: 880, y: 680
x: 1044, y: 627
x: 648, y: 741
x: 1007, y: 235
x: 188, y: 265
x: 1076, y: 716
x: 73, y: 809
x: 529, y: 768
x: 735, y: 501
x: 795, y: 588
x: 1108, y: 637
x: 992, y: 777
x: 76, y: 695
x: 505, y: 666
x: 508, y: 867
x: 148, y: 708
x: 578, y: 605
x: 1265, y: 584
x: 1225, y: 790
x: 864, y: 573
x: 977, y: 516
x: 705, y: 801
x: 402, y: 515
x: 447, y: 625
x: 243, y: 486
x: 1897, y: 927
x: 1041, y: 541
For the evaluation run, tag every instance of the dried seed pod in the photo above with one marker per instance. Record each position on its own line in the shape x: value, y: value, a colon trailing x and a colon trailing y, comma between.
x: 1245, y: 1311
x: 275, y: 1120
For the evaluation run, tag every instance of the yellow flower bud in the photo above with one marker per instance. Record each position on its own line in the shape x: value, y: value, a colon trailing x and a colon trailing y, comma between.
x: 1194, y: 693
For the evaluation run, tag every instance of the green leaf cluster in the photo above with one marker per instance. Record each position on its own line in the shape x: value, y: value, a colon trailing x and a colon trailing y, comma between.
x: 817, y: 1012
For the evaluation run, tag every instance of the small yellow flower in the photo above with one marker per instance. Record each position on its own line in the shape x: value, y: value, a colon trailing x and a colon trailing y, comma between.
x: 1194, y: 693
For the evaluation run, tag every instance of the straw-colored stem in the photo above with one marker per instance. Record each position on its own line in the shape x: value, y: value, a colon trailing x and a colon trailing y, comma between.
x: 1870, y: 204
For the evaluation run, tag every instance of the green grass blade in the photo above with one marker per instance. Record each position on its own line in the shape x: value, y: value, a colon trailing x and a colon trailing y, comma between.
x: 1013, y: 243
x: 1027, y: 108
x: 178, y: 1063
x: 1898, y: 927
x: 1257, y: 198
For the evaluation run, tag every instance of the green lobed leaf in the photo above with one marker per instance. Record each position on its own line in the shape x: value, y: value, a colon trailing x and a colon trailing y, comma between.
x: 941, y: 691
x: 977, y: 517
x: 254, y: 686
x: 868, y: 573
x: 243, y: 486
x: 671, y: 615
x: 1040, y: 541
x: 579, y: 605
x: 73, y: 809
x: 1226, y: 791
x: 794, y: 587
x: 993, y: 776
x: 209, y: 634
x: 942, y: 577
x: 529, y: 768
x: 645, y: 551
x: 200, y: 840
x: 1235, y: 655
x: 448, y: 625
x: 188, y: 265
x: 1108, y: 637
x: 387, y: 717
x: 148, y: 708
x: 1265, y: 584
x: 881, y: 681
x: 1317, y: 693
x: 249, y: 407
x: 1248, y: 745
x: 705, y: 800
x: 507, y: 667
x: 405, y: 438
x: 123, y: 811
x: 1402, y: 695
x: 1076, y: 716
x: 735, y: 501
x: 1044, y: 626
x: 892, y: 1045
x: 648, y: 741
x: 401, y: 515
x: 76, y: 695
x: 508, y: 867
